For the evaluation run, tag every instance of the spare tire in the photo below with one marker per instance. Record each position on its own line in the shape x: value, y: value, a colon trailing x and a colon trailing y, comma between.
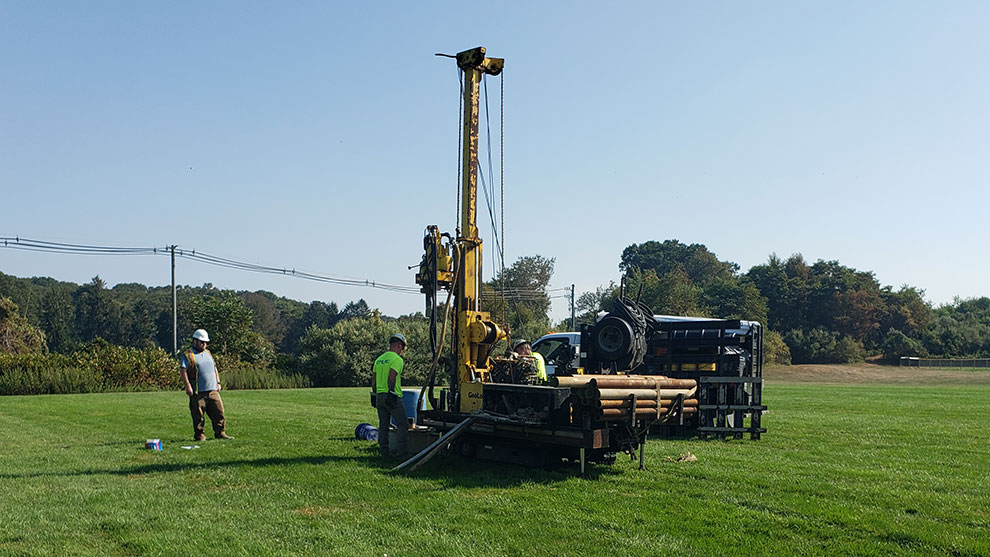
x: 612, y: 338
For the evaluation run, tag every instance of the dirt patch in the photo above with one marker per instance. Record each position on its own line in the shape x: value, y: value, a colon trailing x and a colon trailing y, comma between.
x: 873, y: 373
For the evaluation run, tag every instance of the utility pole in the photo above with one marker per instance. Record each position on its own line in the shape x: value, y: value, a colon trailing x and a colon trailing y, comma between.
x: 573, y: 320
x: 175, y: 315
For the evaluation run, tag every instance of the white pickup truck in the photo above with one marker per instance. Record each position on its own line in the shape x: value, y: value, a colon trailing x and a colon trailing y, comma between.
x: 559, y: 350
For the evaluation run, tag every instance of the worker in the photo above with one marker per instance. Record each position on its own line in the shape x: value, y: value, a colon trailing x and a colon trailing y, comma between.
x: 197, y: 367
x: 523, y: 348
x: 388, y: 396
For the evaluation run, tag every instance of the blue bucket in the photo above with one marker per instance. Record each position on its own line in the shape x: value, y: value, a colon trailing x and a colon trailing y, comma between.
x: 366, y: 432
x: 409, y: 399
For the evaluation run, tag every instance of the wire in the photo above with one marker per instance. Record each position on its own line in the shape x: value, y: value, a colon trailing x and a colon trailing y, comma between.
x: 25, y: 244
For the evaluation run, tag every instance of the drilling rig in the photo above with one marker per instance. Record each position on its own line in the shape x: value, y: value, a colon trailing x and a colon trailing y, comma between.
x: 485, y: 411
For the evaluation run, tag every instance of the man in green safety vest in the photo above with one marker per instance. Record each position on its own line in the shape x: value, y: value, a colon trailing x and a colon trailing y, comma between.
x: 523, y: 348
x: 388, y: 396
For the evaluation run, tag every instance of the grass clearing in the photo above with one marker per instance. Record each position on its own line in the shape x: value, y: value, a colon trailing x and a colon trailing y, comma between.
x: 862, y: 468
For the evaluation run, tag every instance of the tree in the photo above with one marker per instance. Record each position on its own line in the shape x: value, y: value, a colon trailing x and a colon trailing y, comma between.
x: 589, y: 304
x: 897, y: 344
x: 960, y: 329
x: 267, y: 319
x: 17, y: 336
x: 785, y: 287
x: 354, y: 310
x: 57, y: 316
x: 700, y: 265
x: 519, y: 292
x: 97, y: 314
x: 228, y: 322
x: 317, y: 314
x: 343, y: 355
x: 673, y: 293
x: 907, y: 311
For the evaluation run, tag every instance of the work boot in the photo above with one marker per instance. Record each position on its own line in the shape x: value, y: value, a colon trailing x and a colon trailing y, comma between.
x: 199, y: 437
x: 224, y: 436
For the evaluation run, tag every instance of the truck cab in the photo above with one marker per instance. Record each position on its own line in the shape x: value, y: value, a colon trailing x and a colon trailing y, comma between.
x: 560, y: 351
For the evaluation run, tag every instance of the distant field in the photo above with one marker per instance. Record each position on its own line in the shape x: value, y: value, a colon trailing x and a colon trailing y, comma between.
x: 876, y: 374
x: 872, y: 467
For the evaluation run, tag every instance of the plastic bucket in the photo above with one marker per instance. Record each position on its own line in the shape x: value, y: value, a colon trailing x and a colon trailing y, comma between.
x: 409, y: 399
x: 367, y: 432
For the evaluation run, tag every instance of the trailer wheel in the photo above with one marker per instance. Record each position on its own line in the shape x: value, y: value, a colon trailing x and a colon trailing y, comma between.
x: 613, y: 338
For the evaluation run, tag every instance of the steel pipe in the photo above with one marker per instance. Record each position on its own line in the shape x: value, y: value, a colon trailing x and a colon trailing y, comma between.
x: 621, y: 381
x: 645, y: 394
x: 617, y: 382
x: 613, y: 414
x: 645, y: 403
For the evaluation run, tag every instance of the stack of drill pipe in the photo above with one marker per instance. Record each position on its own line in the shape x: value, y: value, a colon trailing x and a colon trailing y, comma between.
x: 609, y: 397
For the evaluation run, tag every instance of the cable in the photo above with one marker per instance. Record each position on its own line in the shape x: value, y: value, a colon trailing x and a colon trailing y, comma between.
x: 25, y: 244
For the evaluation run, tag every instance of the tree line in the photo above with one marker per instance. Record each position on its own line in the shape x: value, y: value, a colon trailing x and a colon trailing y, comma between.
x: 821, y: 312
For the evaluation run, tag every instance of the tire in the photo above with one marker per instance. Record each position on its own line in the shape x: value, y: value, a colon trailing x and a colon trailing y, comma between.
x: 612, y: 338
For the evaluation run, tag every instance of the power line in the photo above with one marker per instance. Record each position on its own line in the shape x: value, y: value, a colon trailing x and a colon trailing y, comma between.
x: 27, y: 244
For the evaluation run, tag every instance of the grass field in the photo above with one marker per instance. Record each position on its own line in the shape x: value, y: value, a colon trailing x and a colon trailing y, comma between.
x: 869, y: 467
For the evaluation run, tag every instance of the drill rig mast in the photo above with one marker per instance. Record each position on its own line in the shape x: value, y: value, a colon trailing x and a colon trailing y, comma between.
x: 474, y: 332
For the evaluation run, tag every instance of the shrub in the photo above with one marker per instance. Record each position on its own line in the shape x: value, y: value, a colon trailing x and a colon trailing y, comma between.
x: 775, y: 350
x: 36, y: 374
x: 256, y: 377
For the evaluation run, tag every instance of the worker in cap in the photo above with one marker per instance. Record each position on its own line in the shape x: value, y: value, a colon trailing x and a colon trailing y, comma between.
x: 199, y: 373
x: 523, y: 348
x: 387, y: 381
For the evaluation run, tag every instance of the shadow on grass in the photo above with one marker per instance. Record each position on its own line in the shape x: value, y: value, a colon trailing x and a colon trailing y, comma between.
x: 455, y: 471
x: 448, y: 470
x: 371, y: 461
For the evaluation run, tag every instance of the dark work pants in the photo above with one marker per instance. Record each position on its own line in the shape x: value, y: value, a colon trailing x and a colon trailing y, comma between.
x: 396, y: 411
x: 211, y: 403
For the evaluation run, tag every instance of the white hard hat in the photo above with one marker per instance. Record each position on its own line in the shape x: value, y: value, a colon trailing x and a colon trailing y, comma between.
x: 200, y: 334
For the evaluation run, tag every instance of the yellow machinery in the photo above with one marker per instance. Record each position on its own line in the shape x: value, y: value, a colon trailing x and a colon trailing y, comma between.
x: 456, y: 263
x: 487, y: 411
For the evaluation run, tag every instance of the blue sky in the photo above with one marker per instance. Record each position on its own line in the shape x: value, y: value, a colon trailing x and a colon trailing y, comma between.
x: 322, y: 136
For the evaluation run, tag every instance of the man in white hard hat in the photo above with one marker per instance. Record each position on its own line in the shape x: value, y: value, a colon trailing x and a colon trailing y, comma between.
x: 387, y: 381
x: 199, y: 373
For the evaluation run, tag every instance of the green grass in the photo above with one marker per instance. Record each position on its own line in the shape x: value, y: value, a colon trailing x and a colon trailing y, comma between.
x: 864, y: 469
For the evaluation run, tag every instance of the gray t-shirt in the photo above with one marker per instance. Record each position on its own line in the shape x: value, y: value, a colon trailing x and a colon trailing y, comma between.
x: 206, y: 376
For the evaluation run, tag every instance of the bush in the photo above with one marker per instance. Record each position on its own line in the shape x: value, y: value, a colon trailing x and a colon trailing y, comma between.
x: 255, y: 377
x: 821, y: 346
x: 36, y: 374
x: 125, y: 368
x: 775, y: 350
x: 97, y: 367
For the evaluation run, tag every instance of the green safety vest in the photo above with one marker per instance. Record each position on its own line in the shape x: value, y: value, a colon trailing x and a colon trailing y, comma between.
x: 541, y: 367
x: 385, y: 363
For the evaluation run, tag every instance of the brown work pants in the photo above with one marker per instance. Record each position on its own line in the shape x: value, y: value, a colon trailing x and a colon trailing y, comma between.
x: 211, y: 403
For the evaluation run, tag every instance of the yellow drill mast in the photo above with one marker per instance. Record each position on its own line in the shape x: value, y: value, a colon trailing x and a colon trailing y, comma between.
x: 474, y: 332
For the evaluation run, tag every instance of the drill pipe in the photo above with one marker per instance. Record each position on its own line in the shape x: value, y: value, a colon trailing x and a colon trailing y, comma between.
x: 645, y: 394
x: 613, y: 414
x: 617, y: 382
x: 664, y: 403
x: 622, y: 381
